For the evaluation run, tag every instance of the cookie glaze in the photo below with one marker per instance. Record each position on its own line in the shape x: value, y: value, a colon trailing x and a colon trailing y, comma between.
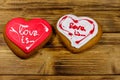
x: 78, y: 30
x: 27, y: 35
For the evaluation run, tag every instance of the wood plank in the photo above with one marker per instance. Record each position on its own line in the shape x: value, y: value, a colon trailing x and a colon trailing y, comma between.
x: 101, y: 62
x: 55, y: 59
x: 109, y: 77
x: 105, y: 12
x: 66, y: 4
x: 10, y: 64
x: 55, y: 42
x: 89, y: 62
x: 60, y: 61
x: 7, y: 15
x: 109, y: 24
x: 92, y: 4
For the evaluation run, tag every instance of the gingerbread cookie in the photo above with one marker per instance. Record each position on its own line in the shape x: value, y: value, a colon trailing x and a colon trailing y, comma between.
x: 78, y: 33
x: 25, y: 37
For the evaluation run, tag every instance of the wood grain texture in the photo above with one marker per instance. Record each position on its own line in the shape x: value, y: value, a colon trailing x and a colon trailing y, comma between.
x: 105, y: 12
x: 28, y: 77
x: 101, y: 62
x: 55, y: 59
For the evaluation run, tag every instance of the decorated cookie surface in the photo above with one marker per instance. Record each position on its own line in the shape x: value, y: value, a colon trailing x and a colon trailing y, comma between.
x: 78, y: 30
x: 27, y: 35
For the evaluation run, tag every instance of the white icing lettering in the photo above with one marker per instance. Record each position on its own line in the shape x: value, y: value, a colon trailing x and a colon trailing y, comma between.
x: 23, y: 31
x: 22, y: 39
x: 46, y: 28
x: 26, y: 31
x: 26, y: 40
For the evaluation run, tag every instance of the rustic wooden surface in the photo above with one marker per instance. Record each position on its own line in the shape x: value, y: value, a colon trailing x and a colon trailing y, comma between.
x: 54, y: 61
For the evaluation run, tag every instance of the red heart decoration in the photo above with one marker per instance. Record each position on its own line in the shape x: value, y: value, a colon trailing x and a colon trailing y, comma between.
x: 78, y: 30
x: 27, y: 35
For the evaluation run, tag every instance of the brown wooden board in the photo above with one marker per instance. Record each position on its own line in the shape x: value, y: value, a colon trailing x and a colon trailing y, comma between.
x: 101, y: 62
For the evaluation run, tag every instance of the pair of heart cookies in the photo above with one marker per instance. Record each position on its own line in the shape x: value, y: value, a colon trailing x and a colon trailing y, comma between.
x: 25, y: 37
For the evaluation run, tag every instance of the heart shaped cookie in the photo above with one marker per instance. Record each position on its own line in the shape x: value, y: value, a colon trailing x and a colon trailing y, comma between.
x: 25, y: 37
x: 78, y: 33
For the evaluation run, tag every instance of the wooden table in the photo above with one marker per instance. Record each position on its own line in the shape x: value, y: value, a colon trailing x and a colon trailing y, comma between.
x: 54, y: 61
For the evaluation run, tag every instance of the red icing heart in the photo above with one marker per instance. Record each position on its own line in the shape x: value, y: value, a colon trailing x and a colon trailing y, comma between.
x: 79, y: 30
x: 27, y: 35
